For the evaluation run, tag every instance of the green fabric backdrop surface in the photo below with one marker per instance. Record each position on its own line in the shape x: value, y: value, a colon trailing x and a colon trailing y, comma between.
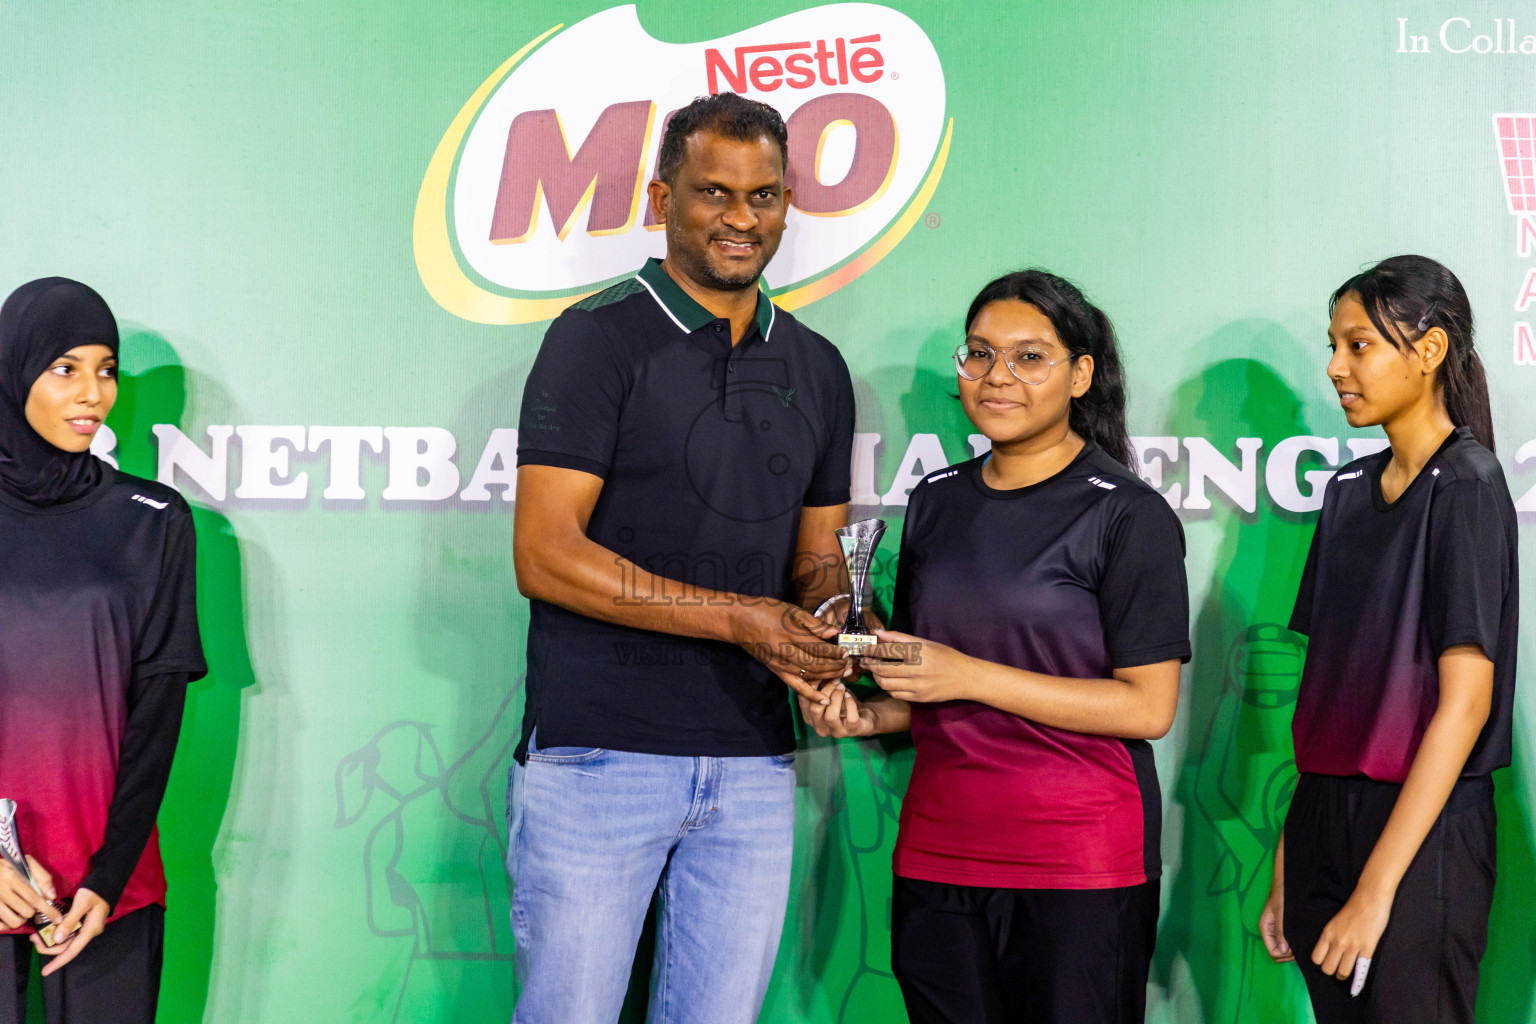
x: 286, y: 206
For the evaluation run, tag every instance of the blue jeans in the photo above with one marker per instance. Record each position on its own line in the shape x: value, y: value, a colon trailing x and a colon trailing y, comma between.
x: 593, y: 832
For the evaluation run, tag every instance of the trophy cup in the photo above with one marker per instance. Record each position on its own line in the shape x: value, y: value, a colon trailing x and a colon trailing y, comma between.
x: 859, y: 541
x: 10, y: 850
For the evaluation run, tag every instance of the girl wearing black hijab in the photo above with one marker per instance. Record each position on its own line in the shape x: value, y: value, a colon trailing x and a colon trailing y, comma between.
x: 98, y: 640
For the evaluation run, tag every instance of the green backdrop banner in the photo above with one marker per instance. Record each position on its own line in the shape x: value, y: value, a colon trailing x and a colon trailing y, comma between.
x: 334, y: 232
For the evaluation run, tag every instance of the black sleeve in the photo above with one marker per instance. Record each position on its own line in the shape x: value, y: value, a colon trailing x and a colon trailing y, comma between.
x: 1143, y: 595
x: 572, y: 398
x: 155, y: 705
x: 170, y: 641
x: 1468, y: 572
x: 1301, y: 615
x: 901, y: 600
x: 833, y: 482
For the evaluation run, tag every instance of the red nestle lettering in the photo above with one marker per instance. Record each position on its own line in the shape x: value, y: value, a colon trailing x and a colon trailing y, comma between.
x: 765, y: 73
x: 822, y: 56
x: 714, y: 62
x: 828, y: 63
x: 866, y: 64
x: 798, y: 68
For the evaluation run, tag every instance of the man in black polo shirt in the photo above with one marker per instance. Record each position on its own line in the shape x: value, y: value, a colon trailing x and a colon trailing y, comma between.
x: 684, y: 454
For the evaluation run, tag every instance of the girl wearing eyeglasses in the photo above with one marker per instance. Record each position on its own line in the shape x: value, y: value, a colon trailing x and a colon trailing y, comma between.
x: 1040, y: 619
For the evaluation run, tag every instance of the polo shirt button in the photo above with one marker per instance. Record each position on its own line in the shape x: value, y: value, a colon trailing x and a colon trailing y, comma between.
x: 730, y: 369
x: 719, y: 328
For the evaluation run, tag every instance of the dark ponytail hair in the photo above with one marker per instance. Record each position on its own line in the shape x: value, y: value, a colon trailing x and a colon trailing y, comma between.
x: 1099, y: 415
x: 1406, y: 296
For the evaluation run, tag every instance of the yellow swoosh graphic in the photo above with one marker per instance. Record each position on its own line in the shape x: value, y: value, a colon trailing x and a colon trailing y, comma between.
x: 439, y: 269
x: 821, y: 288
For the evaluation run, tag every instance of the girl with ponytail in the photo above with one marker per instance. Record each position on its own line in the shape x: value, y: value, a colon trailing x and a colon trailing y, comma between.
x: 1040, y: 618
x: 1383, y: 878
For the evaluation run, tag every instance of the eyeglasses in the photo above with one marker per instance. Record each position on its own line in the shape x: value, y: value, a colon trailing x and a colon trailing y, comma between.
x: 1029, y: 364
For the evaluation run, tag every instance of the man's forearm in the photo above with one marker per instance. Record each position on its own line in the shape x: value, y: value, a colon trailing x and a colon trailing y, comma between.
x: 584, y: 577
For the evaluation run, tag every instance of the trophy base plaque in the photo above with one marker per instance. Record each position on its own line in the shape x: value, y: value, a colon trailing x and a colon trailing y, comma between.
x: 856, y: 643
x: 46, y: 928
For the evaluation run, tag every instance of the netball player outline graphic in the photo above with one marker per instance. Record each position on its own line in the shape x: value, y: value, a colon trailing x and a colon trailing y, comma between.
x: 98, y: 640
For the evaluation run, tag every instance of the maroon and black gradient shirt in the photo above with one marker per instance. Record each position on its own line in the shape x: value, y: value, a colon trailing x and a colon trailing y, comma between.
x: 1387, y: 588
x: 97, y: 602
x: 1075, y: 576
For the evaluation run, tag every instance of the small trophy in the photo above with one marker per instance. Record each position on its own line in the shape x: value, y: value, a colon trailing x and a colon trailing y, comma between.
x: 859, y: 541
x: 10, y: 849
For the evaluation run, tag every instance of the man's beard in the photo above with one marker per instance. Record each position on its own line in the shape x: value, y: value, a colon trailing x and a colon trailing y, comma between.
x: 698, y: 267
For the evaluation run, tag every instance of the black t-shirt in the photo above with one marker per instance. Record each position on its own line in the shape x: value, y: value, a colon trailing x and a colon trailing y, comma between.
x: 1074, y: 576
x: 707, y: 454
x: 95, y: 595
x: 1386, y: 589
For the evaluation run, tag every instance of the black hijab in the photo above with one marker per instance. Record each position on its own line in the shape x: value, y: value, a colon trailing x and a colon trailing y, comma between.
x: 41, y: 321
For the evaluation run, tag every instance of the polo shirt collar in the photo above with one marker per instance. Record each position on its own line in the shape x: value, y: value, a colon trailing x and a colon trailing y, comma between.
x: 684, y: 311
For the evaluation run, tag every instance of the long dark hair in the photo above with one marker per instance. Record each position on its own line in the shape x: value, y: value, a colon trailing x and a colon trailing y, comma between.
x: 1407, y: 296
x: 1099, y: 415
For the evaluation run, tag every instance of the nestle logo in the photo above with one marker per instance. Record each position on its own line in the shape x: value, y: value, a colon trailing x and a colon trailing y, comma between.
x: 535, y: 195
x: 765, y: 68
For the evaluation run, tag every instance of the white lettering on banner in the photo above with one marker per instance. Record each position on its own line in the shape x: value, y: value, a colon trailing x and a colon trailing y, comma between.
x: 346, y: 443
x: 209, y: 470
x: 423, y: 466
x: 103, y: 444
x: 262, y: 459
x: 497, y: 468
x: 1152, y: 453
x: 925, y: 451
x: 1462, y: 36
x: 1407, y: 43
x: 866, y: 453
x: 1527, y: 501
x: 1280, y: 472
x: 416, y: 453
x: 1238, y: 482
x: 1360, y: 447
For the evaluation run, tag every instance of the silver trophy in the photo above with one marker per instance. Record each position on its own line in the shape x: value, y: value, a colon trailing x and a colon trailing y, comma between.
x: 859, y: 541
x: 10, y: 850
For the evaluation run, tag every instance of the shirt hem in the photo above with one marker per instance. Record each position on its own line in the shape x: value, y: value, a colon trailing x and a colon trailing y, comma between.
x: 1463, y: 637
x: 196, y: 670
x: 1005, y: 879
x: 1151, y: 655
x: 756, y: 748
x: 560, y: 460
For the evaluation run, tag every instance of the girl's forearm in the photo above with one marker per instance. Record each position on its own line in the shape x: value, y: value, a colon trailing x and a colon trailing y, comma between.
x: 1466, y: 692
x: 1138, y: 703
x: 890, y: 714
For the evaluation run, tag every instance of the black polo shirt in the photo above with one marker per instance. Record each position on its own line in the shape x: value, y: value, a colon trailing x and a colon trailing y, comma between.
x: 707, y: 454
